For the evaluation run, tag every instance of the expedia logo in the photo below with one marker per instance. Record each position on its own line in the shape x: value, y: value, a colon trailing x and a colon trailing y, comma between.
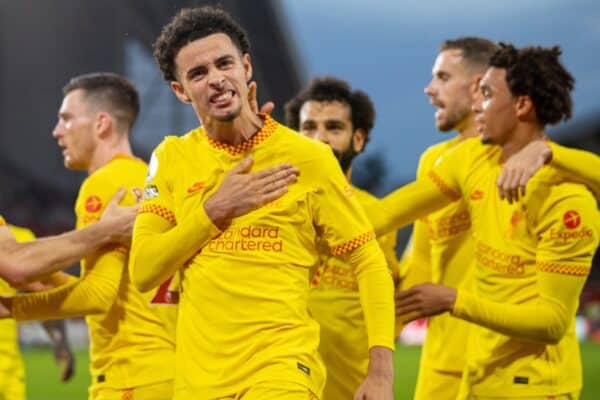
x: 93, y: 204
x: 571, y: 219
x: 566, y: 236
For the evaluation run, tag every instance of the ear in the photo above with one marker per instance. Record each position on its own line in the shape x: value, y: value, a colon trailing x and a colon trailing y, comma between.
x: 474, y: 88
x: 247, y: 62
x: 358, y: 140
x: 524, y: 108
x: 103, y: 124
x: 179, y: 91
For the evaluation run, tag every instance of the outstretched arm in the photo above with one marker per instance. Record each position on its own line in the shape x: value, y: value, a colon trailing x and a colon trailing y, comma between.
x: 21, y: 263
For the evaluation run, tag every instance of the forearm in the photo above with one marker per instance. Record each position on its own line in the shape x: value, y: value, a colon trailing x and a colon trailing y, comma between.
x: 546, y: 320
x: 376, y: 293
x: 405, y: 205
x: 582, y: 166
x: 159, y: 249
x: 29, y: 261
x: 93, y: 294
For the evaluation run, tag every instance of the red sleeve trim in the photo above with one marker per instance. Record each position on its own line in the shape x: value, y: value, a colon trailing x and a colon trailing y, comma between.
x: 444, y: 188
x: 352, y: 244
x: 565, y: 269
x: 158, y: 210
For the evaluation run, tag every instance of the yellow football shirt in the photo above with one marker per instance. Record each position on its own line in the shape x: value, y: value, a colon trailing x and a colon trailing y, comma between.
x: 447, y: 254
x: 334, y: 302
x: 12, y: 372
x: 243, y: 312
x: 532, y: 258
x: 132, y: 343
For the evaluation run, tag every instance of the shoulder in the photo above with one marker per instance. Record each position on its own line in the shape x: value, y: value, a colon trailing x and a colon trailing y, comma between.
x: 558, y: 199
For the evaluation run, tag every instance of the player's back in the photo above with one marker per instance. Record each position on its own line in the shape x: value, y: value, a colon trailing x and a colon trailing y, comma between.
x: 133, y: 343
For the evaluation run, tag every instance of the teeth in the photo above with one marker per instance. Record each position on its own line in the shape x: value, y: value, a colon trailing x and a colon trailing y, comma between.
x: 222, y: 97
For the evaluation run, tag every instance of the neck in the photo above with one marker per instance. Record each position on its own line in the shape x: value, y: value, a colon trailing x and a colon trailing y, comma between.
x: 106, y: 151
x: 236, y: 131
x: 521, y: 136
x: 349, y: 174
x: 467, y: 129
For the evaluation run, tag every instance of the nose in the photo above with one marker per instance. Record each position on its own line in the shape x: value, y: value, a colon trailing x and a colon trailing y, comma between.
x: 429, y: 89
x: 56, y: 132
x: 321, y: 134
x: 216, y: 79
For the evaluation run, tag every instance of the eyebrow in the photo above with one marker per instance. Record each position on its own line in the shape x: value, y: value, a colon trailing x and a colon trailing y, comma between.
x: 200, y: 68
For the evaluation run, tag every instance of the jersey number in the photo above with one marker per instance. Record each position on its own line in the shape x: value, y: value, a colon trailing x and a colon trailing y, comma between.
x: 164, y: 295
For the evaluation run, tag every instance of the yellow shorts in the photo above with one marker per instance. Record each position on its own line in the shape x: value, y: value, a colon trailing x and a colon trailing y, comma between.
x: 274, y: 391
x: 154, y: 391
x: 12, y: 385
x: 436, y: 384
x: 567, y: 396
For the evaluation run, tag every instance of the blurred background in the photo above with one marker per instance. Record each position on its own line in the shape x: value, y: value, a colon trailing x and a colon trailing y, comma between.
x: 385, y: 48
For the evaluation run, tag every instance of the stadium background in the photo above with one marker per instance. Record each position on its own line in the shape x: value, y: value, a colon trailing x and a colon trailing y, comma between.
x: 383, y: 47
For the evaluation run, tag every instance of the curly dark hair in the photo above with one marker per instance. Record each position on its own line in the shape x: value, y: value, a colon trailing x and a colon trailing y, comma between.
x: 112, y: 92
x: 192, y: 24
x: 328, y: 88
x: 476, y: 51
x: 538, y: 73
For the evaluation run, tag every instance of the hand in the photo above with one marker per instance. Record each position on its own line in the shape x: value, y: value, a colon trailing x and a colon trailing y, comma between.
x: 379, y: 383
x: 242, y: 191
x: 267, y: 108
x: 63, y: 356
x: 121, y: 218
x: 520, y: 167
x: 424, y: 300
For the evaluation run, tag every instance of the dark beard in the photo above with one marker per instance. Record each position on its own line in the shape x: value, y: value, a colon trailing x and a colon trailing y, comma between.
x: 345, y: 158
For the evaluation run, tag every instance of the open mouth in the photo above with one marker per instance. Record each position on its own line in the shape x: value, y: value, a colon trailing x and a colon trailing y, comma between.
x: 222, y: 98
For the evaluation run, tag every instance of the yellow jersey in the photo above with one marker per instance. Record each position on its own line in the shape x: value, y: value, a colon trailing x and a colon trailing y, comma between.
x: 334, y: 302
x: 531, y: 261
x: 443, y: 249
x: 243, y: 311
x: 132, y: 340
x: 12, y: 371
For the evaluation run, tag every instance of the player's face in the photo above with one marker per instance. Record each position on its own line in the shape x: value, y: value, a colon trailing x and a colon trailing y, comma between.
x: 74, y: 131
x: 331, y: 123
x: 495, y: 108
x: 212, y: 76
x: 450, y: 90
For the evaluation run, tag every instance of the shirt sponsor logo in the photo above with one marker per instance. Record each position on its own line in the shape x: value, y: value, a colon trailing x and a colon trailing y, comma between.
x: 571, y: 219
x: 566, y: 236
x: 150, y: 192
x: 248, y: 238
x: 450, y: 225
x: 93, y: 204
x: 195, y: 187
x: 477, y: 195
x: 498, y: 260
